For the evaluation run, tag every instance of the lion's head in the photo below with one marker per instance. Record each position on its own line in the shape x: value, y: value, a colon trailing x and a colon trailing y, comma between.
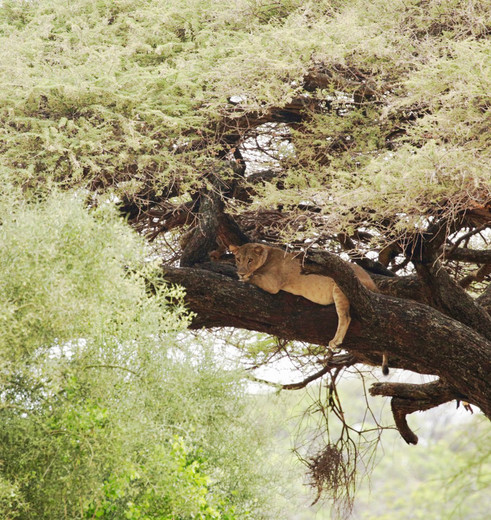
x: 249, y: 258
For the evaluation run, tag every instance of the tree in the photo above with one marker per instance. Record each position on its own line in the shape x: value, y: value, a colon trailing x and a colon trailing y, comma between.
x: 354, y: 127
x: 104, y: 410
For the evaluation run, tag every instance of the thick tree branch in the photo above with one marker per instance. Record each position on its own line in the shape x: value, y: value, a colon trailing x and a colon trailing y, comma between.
x: 450, y: 298
x: 203, y: 238
x: 417, y: 337
x: 407, y: 287
x: 461, y: 254
x: 367, y: 263
x: 452, y: 250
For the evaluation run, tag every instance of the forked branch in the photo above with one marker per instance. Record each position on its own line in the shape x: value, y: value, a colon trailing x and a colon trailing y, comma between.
x: 409, y: 398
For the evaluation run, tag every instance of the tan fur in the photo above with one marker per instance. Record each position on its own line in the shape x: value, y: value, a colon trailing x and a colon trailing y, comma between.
x: 273, y: 269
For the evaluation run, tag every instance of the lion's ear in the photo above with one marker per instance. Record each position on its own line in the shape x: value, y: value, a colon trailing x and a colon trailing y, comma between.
x: 233, y: 249
x: 258, y: 249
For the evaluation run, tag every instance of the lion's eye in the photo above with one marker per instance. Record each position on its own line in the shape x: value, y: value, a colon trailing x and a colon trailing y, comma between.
x: 249, y: 260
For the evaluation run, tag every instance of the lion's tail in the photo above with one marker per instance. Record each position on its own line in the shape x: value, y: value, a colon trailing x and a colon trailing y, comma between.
x: 385, y: 364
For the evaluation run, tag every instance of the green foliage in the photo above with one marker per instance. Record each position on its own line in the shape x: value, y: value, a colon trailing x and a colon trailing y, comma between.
x: 429, y: 67
x: 101, y: 93
x: 104, y: 412
x: 83, y: 273
x: 183, y: 489
x: 104, y: 95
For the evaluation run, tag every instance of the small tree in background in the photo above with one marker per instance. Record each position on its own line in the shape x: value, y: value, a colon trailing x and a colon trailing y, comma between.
x: 105, y: 412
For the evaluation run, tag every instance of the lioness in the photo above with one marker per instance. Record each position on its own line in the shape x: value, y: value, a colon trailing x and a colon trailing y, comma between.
x: 273, y: 269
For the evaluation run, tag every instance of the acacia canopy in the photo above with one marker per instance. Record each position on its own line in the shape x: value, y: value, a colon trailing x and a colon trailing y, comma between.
x: 351, y: 127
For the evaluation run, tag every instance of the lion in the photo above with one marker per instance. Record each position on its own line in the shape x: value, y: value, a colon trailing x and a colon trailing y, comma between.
x: 273, y: 270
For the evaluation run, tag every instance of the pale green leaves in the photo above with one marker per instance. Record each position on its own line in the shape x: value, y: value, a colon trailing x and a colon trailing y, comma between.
x: 67, y: 274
